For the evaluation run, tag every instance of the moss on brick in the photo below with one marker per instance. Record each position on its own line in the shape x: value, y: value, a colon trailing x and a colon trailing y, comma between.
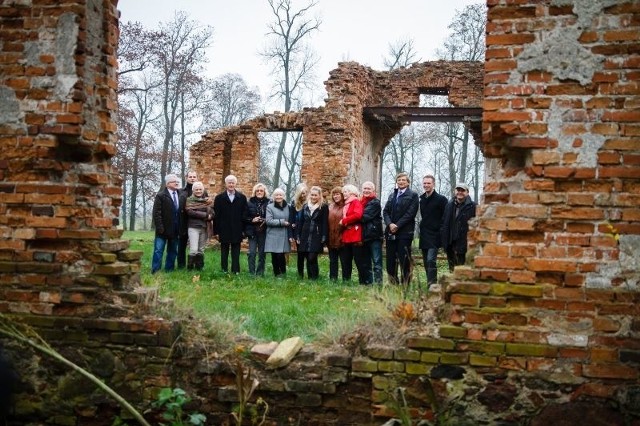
x: 430, y: 357
x: 454, y: 358
x: 430, y: 343
x: 531, y: 350
x: 417, y: 368
x: 391, y: 366
x: 364, y: 364
x: 482, y: 360
x: 504, y: 289
x: 453, y: 331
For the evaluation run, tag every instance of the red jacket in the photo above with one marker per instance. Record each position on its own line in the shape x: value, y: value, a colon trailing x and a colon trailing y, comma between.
x: 352, y: 231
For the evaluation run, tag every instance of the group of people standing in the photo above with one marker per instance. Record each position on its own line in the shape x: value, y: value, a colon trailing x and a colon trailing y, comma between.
x: 352, y: 225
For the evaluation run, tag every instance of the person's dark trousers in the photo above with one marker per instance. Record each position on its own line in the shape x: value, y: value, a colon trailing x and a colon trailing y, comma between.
x: 183, y: 241
x: 455, y: 258
x: 279, y: 263
x: 346, y: 256
x: 256, y: 250
x: 399, y: 257
x: 363, y: 263
x: 300, y: 263
x: 429, y: 257
x: 235, y: 257
x: 373, y: 259
x: 335, y: 261
x: 313, y: 271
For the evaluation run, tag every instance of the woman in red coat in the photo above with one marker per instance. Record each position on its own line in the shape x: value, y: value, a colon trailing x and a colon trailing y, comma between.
x: 352, y: 234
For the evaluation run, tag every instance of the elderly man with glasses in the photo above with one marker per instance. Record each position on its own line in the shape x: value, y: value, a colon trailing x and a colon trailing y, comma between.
x: 166, y: 220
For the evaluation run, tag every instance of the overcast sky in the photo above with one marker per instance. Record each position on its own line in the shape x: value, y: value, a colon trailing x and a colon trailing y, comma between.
x: 357, y: 30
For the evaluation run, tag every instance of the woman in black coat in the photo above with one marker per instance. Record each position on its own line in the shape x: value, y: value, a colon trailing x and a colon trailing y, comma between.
x: 312, y: 230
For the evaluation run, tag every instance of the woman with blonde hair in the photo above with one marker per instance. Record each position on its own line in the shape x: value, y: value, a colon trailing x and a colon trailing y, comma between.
x: 256, y: 230
x: 295, y: 209
x: 312, y: 230
x: 278, y: 236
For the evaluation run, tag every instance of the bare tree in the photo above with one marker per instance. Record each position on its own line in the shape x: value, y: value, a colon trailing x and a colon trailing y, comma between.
x: 401, y: 151
x: 178, y: 57
x: 292, y: 59
x: 466, y: 42
x: 229, y: 102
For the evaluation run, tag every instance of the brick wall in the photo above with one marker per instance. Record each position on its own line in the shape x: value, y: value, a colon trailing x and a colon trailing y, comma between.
x: 338, y: 131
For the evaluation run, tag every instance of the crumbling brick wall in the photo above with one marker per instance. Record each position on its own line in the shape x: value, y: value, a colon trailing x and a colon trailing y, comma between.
x: 339, y: 145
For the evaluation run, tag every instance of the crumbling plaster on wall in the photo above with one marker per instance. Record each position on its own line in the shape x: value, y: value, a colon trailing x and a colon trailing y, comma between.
x: 560, y: 52
x: 65, y: 47
x: 590, y: 143
x: 623, y: 273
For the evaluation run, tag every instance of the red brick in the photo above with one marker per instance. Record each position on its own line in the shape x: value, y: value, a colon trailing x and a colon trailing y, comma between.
x: 552, y: 265
x: 610, y: 371
x: 509, y: 39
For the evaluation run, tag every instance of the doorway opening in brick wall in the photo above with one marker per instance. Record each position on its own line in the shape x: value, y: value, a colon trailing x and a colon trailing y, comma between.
x: 280, y: 151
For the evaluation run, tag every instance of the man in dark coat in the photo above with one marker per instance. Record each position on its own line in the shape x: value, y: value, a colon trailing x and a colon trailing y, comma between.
x: 166, y: 219
x: 400, y: 220
x: 455, y: 225
x: 184, y: 237
x: 432, y: 207
x: 372, y: 232
x: 230, y: 211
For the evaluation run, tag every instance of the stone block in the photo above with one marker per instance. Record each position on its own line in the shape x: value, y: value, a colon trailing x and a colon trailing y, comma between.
x: 263, y: 351
x: 285, y: 352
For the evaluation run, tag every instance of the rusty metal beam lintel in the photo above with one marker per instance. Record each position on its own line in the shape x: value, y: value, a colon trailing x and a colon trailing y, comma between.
x: 426, y: 114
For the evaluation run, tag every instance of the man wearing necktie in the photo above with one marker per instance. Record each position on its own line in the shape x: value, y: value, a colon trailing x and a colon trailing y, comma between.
x: 230, y: 210
x: 166, y: 221
x: 400, y: 220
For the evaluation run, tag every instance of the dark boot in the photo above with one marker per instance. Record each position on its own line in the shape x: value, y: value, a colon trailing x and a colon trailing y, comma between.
x: 191, y: 261
x: 199, y: 261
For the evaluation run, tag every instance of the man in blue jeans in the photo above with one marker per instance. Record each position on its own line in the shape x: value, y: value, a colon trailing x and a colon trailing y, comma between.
x: 166, y: 220
x: 432, y: 207
x: 372, y: 232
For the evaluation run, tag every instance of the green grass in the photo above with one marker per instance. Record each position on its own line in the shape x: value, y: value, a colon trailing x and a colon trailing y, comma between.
x: 267, y: 308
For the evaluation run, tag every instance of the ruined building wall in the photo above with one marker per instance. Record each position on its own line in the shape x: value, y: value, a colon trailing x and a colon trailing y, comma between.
x: 63, y: 267
x: 338, y: 145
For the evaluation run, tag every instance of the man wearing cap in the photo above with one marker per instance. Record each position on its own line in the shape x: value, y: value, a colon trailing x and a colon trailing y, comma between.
x: 455, y: 225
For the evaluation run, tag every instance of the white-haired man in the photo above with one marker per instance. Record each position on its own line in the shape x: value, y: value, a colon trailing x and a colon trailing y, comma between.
x: 166, y: 220
x: 230, y: 211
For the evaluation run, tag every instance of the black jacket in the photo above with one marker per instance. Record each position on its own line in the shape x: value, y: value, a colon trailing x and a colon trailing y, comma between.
x: 230, y: 218
x: 456, y: 227
x: 166, y: 219
x: 256, y: 207
x: 431, y: 212
x: 401, y: 212
x: 372, y: 221
x: 312, y: 229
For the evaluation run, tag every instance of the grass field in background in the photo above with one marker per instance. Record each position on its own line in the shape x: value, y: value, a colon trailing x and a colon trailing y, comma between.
x: 267, y: 308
